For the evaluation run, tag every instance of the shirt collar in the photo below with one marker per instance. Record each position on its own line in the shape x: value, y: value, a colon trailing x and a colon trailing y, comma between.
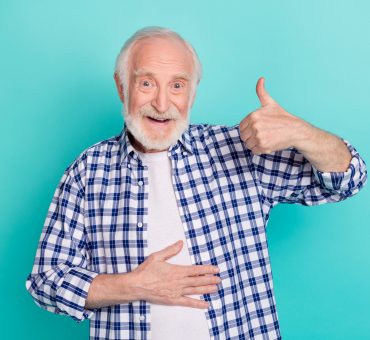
x: 186, y: 142
x: 127, y: 150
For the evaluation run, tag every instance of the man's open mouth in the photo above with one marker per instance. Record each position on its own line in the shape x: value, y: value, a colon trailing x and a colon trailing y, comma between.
x: 158, y: 120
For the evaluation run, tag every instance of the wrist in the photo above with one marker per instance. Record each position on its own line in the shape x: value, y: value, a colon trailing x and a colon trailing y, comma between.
x: 306, y: 134
x: 127, y: 287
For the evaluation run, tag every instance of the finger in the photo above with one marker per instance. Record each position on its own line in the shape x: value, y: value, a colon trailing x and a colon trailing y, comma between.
x: 262, y: 94
x: 197, y: 281
x: 169, y: 251
x: 190, y: 302
x: 200, y: 270
x: 244, y: 123
x: 246, y: 134
x: 251, y: 143
x: 257, y: 151
x: 200, y: 290
x: 249, y: 121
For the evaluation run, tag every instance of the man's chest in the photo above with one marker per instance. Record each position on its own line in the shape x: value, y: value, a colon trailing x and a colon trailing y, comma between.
x: 219, y: 208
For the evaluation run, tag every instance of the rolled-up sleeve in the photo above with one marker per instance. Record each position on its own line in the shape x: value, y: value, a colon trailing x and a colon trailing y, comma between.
x: 286, y: 176
x: 60, y: 277
x: 348, y: 182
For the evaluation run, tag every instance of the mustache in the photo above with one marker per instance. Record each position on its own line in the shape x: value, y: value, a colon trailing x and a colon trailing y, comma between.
x: 149, y: 111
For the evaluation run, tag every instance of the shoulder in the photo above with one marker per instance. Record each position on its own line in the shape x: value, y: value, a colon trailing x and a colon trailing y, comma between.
x: 199, y: 131
x: 219, y: 139
x: 97, y: 155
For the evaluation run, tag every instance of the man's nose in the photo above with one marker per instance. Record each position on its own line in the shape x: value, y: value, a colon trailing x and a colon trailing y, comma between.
x: 161, y: 100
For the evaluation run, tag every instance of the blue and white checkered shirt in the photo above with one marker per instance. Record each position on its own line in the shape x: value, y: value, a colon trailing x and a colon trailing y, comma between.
x: 98, y: 223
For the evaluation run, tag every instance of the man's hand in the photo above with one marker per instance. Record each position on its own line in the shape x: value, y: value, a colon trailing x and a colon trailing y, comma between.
x: 155, y: 281
x: 270, y: 128
x: 163, y: 283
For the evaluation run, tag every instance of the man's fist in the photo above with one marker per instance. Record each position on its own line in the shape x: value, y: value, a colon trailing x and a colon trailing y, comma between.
x: 270, y: 128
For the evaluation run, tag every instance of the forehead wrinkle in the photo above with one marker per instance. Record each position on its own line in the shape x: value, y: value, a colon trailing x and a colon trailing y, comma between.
x: 153, y: 59
x: 143, y: 72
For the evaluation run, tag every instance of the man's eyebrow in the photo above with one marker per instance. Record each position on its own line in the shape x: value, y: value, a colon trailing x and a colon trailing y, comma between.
x: 182, y: 75
x: 142, y: 72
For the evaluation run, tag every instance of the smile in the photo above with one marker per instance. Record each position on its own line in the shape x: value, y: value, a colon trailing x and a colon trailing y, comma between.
x: 160, y: 121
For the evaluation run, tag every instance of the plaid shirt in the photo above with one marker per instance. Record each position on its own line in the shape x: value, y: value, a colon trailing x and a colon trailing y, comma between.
x: 98, y: 223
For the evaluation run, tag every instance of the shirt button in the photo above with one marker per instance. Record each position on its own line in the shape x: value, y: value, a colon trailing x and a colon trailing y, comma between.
x: 139, y: 224
x: 134, y: 156
x: 129, y: 166
x: 184, y: 153
x: 142, y: 317
x: 140, y: 183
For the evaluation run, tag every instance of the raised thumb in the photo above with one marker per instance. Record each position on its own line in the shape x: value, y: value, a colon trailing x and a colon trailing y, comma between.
x: 262, y: 94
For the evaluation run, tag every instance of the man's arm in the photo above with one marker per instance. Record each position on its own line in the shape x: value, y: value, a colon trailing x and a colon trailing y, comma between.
x: 62, y: 281
x: 271, y: 128
x: 326, y: 152
x: 296, y: 162
x: 155, y: 281
x: 60, y: 277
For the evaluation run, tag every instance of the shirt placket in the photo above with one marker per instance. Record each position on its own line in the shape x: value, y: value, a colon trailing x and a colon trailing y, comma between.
x: 140, y: 180
x: 181, y: 160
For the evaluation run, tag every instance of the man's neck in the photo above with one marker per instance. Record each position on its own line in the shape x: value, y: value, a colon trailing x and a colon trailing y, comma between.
x: 139, y: 147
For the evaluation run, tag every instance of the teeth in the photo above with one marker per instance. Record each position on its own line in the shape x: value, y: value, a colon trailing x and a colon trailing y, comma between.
x: 160, y: 119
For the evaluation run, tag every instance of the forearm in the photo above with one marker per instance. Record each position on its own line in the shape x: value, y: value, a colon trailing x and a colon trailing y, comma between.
x: 325, y: 151
x: 110, y: 289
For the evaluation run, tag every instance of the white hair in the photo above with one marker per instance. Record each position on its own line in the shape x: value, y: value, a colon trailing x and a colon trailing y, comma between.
x: 123, y: 58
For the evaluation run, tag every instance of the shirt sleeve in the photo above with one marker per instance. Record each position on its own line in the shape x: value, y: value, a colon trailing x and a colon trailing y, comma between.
x: 60, y: 278
x: 287, y: 177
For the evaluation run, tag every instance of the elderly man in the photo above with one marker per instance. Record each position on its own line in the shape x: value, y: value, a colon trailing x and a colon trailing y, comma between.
x: 160, y: 232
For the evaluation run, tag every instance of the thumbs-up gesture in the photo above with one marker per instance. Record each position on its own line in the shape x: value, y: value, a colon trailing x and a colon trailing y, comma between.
x: 270, y: 128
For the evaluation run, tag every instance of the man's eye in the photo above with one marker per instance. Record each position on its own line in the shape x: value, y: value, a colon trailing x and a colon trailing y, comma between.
x: 146, y: 83
x: 178, y: 85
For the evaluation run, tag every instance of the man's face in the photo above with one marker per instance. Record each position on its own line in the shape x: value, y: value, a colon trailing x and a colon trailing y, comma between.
x: 160, y: 80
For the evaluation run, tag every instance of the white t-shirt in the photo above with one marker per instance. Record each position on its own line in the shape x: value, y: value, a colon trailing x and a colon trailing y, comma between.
x: 164, y: 229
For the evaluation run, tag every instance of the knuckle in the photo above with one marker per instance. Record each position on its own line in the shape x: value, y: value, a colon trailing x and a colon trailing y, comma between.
x: 174, y: 294
x: 256, y: 115
x: 196, y: 270
x: 154, y: 256
x: 169, y: 295
x: 260, y: 138
x: 265, y: 146
x: 253, y: 116
x: 256, y: 127
x: 262, y: 143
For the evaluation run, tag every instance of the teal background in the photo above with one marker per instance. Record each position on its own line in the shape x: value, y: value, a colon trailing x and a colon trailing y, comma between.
x: 57, y: 97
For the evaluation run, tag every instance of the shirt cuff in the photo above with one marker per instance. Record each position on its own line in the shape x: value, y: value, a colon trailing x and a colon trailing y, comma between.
x: 339, y: 181
x: 72, y: 294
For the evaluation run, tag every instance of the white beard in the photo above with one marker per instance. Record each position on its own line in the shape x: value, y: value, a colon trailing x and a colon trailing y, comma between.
x: 160, y: 142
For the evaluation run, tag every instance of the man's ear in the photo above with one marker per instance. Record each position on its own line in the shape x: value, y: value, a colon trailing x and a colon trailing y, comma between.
x: 119, y: 87
x: 193, y: 99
